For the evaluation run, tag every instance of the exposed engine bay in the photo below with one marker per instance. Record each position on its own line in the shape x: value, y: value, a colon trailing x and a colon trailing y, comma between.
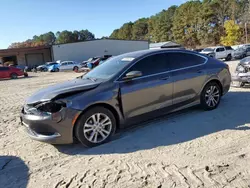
x: 241, y: 77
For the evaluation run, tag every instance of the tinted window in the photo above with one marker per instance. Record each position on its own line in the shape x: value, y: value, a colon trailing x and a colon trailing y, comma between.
x: 70, y: 63
x: 182, y: 60
x: 63, y: 64
x: 151, y: 65
x: 229, y: 48
x: 221, y: 49
x: 4, y: 68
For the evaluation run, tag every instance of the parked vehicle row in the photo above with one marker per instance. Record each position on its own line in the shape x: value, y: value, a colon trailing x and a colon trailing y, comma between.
x: 226, y: 52
x: 124, y: 90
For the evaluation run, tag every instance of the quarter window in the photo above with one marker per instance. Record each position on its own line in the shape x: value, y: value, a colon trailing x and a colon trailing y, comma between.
x: 183, y: 60
x: 152, y: 64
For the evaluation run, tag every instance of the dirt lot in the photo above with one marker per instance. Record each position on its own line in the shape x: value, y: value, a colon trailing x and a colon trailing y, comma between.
x: 189, y: 149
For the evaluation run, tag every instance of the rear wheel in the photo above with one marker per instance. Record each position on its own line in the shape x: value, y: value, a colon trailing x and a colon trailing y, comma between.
x: 95, y: 127
x: 14, y: 76
x: 210, y: 96
x: 56, y: 70
x: 229, y: 57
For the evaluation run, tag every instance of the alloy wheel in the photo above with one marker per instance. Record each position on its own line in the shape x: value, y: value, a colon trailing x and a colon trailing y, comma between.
x: 212, y: 96
x: 97, y: 128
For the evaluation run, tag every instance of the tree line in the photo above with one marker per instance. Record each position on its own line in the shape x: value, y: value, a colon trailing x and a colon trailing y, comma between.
x: 192, y: 24
x: 51, y: 38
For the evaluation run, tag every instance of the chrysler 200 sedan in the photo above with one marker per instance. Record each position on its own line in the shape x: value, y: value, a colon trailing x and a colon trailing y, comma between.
x: 124, y: 90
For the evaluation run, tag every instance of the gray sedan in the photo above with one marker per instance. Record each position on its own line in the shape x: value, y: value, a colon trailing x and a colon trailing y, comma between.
x: 125, y: 90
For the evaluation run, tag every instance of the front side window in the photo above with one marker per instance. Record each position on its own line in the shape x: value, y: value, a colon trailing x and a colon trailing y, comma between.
x: 152, y: 64
x: 178, y: 60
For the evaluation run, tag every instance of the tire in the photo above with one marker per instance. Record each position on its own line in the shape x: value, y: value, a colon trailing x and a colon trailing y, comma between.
x: 57, y: 70
x: 229, y: 57
x: 86, y: 131
x: 14, y: 76
x: 75, y: 69
x: 204, y: 98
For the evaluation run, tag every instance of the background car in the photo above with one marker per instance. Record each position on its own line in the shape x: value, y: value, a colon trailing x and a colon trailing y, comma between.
x: 219, y: 52
x: 54, y: 67
x: 125, y: 90
x: 239, y: 53
x: 11, y: 72
x: 69, y: 66
x: 44, y: 67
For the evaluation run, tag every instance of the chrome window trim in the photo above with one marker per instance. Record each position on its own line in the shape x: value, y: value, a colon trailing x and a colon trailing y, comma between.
x: 187, y: 52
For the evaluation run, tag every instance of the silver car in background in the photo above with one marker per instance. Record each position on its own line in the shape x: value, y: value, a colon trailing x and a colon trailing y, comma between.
x: 69, y: 66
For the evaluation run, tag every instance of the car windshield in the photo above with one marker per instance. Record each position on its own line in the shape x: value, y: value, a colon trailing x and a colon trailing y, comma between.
x: 208, y: 50
x: 109, y: 68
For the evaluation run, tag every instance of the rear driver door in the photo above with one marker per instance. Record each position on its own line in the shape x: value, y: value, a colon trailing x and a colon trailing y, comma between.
x: 189, y: 75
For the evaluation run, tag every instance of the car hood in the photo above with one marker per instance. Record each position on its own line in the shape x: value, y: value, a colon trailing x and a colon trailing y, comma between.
x: 62, y: 89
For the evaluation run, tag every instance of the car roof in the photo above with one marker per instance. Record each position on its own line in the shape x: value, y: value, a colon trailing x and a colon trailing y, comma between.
x: 140, y: 53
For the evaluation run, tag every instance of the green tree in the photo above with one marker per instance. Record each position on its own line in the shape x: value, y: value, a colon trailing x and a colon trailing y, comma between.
x: 140, y: 29
x: 125, y: 32
x: 164, y: 24
x: 185, y: 24
x: 114, y: 34
x: 233, y: 33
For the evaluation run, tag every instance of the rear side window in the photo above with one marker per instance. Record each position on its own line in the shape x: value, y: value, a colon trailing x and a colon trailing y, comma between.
x: 4, y: 68
x: 184, y: 60
x: 229, y: 48
x: 152, y: 64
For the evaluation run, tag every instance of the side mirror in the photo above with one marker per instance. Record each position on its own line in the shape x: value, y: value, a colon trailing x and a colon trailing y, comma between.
x: 132, y: 74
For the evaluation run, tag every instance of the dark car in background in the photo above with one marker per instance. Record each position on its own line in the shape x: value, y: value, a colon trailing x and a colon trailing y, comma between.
x: 11, y: 72
x: 125, y: 90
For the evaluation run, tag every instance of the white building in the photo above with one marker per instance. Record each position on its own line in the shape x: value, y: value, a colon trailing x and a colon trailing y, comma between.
x: 81, y: 51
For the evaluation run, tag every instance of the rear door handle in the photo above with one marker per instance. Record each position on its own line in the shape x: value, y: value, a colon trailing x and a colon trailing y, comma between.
x: 165, y: 78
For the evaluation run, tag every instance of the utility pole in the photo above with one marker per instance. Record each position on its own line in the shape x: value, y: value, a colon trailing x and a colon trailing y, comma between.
x: 246, y: 32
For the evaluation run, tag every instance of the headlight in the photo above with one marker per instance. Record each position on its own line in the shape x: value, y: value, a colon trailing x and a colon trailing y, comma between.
x: 241, y: 69
x: 51, y: 107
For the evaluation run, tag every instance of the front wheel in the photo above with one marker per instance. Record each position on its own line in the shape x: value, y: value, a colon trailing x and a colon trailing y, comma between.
x: 14, y: 76
x: 95, y: 127
x: 210, y: 96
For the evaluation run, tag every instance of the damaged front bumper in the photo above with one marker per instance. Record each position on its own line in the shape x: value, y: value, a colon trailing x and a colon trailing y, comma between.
x: 240, y: 79
x: 53, y: 128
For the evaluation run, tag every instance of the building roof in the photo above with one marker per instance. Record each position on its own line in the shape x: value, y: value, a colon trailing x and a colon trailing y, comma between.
x: 167, y: 44
x: 23, y: 49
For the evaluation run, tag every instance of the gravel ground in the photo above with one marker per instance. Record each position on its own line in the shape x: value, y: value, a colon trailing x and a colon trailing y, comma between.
x: 188, y: 149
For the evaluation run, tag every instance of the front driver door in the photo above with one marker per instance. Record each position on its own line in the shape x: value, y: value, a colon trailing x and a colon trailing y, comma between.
x: 150, y: 92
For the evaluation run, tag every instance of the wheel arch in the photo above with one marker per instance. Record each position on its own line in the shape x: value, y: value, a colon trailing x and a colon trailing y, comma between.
x: 105, y: 105
x: 217, y: 81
